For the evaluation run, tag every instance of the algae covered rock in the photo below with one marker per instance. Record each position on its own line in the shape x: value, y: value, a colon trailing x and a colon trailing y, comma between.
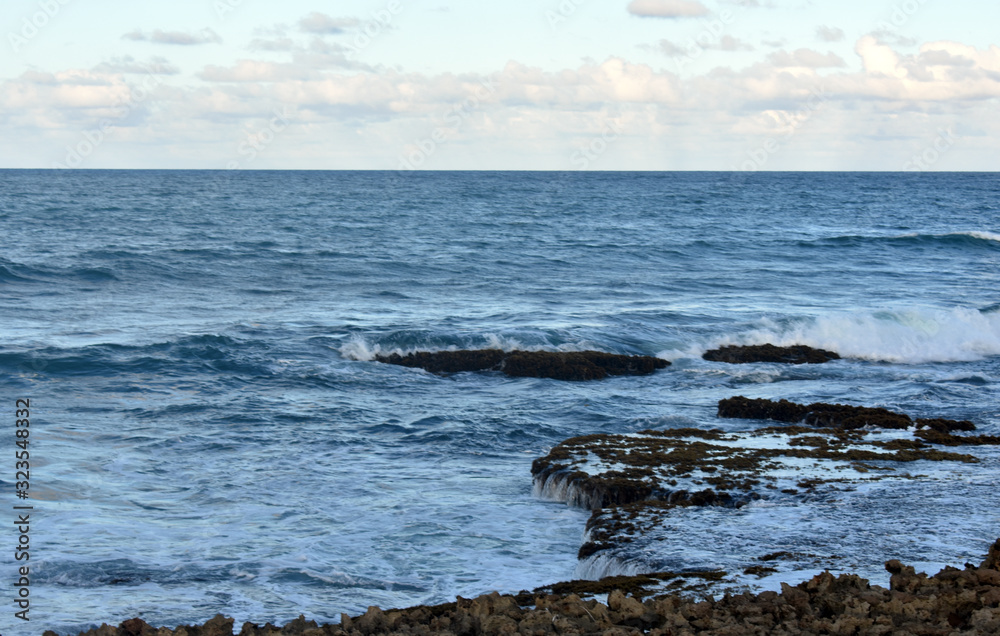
x: 558, y: 365
x: 795, y: 354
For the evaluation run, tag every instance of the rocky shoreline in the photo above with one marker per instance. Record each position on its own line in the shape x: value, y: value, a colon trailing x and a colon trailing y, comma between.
x: 953, y: 601
x: 636, y: 483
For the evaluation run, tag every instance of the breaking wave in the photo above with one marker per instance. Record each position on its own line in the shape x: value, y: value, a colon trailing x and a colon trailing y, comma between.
x: 908, y: 336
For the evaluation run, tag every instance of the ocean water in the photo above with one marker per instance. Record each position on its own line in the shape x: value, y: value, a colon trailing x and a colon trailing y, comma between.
x: 210, y: 434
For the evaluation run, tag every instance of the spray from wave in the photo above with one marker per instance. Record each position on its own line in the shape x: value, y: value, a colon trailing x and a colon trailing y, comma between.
x: 362, y: 348
x: 908, y: 336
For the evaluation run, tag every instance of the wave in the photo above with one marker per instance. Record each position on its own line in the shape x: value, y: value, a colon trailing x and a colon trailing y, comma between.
x: 908, y: 336
x: 365, y: 348
x: 219, y: 353
x: 971, y: 238
x: 14, y: 272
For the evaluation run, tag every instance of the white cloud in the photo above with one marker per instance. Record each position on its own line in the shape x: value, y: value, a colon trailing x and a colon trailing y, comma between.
x: 128, y: 64
x: 805, y: 58
x: 667, y: 8
x: 724, y: 43
x: 205, y: 36
x: 527, y: 108
x: 830, y: 34
x: 323, y: 24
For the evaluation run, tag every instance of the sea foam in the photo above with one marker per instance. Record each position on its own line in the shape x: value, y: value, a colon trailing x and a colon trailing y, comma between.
x: 908, y: 336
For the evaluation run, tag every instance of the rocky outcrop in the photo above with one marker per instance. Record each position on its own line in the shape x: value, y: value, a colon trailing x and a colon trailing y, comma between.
x: 796, y: 354
x: 635, y: 483
x: 843, y: 416
x: 558, y: 365
x: 951, y: 602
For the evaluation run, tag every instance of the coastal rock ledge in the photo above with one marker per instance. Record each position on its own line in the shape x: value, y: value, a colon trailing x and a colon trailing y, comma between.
x: 558, y: 365
x: 795, y: 354
x: 951, y: 602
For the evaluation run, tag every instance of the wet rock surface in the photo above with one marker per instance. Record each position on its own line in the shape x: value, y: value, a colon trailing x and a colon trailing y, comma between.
x: 843, y: 416
x: 954, y: 601
x: 795, y: 354
x: 558, y: 365
x: 636, y: 484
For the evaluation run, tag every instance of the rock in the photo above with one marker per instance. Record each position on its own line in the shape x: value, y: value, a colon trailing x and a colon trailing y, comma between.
x: 626, y: 606
x: 558, y: 365
x: 843, y: 416
x: 796, y: 354
x: 992, y: 561
x: 946, y: 603
x: 218, y: 626
x: 137, y: 627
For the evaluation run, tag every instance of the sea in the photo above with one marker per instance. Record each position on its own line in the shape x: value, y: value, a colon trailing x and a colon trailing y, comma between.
x: 210, y: 433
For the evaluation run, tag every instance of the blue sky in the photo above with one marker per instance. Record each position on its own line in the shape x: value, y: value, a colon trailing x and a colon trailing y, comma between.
x: 552, y: 85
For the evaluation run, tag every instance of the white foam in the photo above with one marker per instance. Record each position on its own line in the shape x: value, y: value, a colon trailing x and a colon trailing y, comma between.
x: 357, y: 348
x: 558, y: 487
x: 986, y: 236
x: 908, y: 336
x: 360, y: 349
x: 978, y: 234
x: 600, y: 565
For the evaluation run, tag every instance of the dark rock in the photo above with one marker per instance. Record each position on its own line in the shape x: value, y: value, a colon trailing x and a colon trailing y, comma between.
x: 796, y: 354
x: 448, y: 361
x: 133, y: 627
x: 950, y: 602
x: 558, y: 365
x: 847, y: 417
x: 992, y: 561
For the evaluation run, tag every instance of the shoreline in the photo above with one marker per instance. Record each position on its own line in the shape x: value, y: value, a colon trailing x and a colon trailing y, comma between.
x: 953, y: 601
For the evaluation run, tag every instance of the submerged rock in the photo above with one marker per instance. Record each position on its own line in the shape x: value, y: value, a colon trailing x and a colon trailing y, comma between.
x: 558, y: 365
x: 951, y: 602
x: 796, y: 354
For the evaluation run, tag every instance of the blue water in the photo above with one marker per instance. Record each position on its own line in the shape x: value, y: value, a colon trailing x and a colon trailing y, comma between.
x: 209, y: 433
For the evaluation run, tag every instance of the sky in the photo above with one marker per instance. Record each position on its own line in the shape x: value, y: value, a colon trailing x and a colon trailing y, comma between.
x: 893, y: 85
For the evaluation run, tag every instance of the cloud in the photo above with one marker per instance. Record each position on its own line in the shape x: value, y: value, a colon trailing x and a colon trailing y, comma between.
x: 725, y: 43
x: 889, y: 95
x: 830, y: 34
x: 276, y: 44
x: 805, y: 58
x: 667, y: 8
x: 205, y: 36
x: 128, y: 64
x: 729, y: 43
x: 323, y: 24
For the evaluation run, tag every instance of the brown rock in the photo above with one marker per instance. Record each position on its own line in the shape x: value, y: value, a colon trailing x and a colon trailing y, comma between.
x: 626, y: 607
x: 135, y: 627
x: 220, y: 626
x: 992, y: 561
